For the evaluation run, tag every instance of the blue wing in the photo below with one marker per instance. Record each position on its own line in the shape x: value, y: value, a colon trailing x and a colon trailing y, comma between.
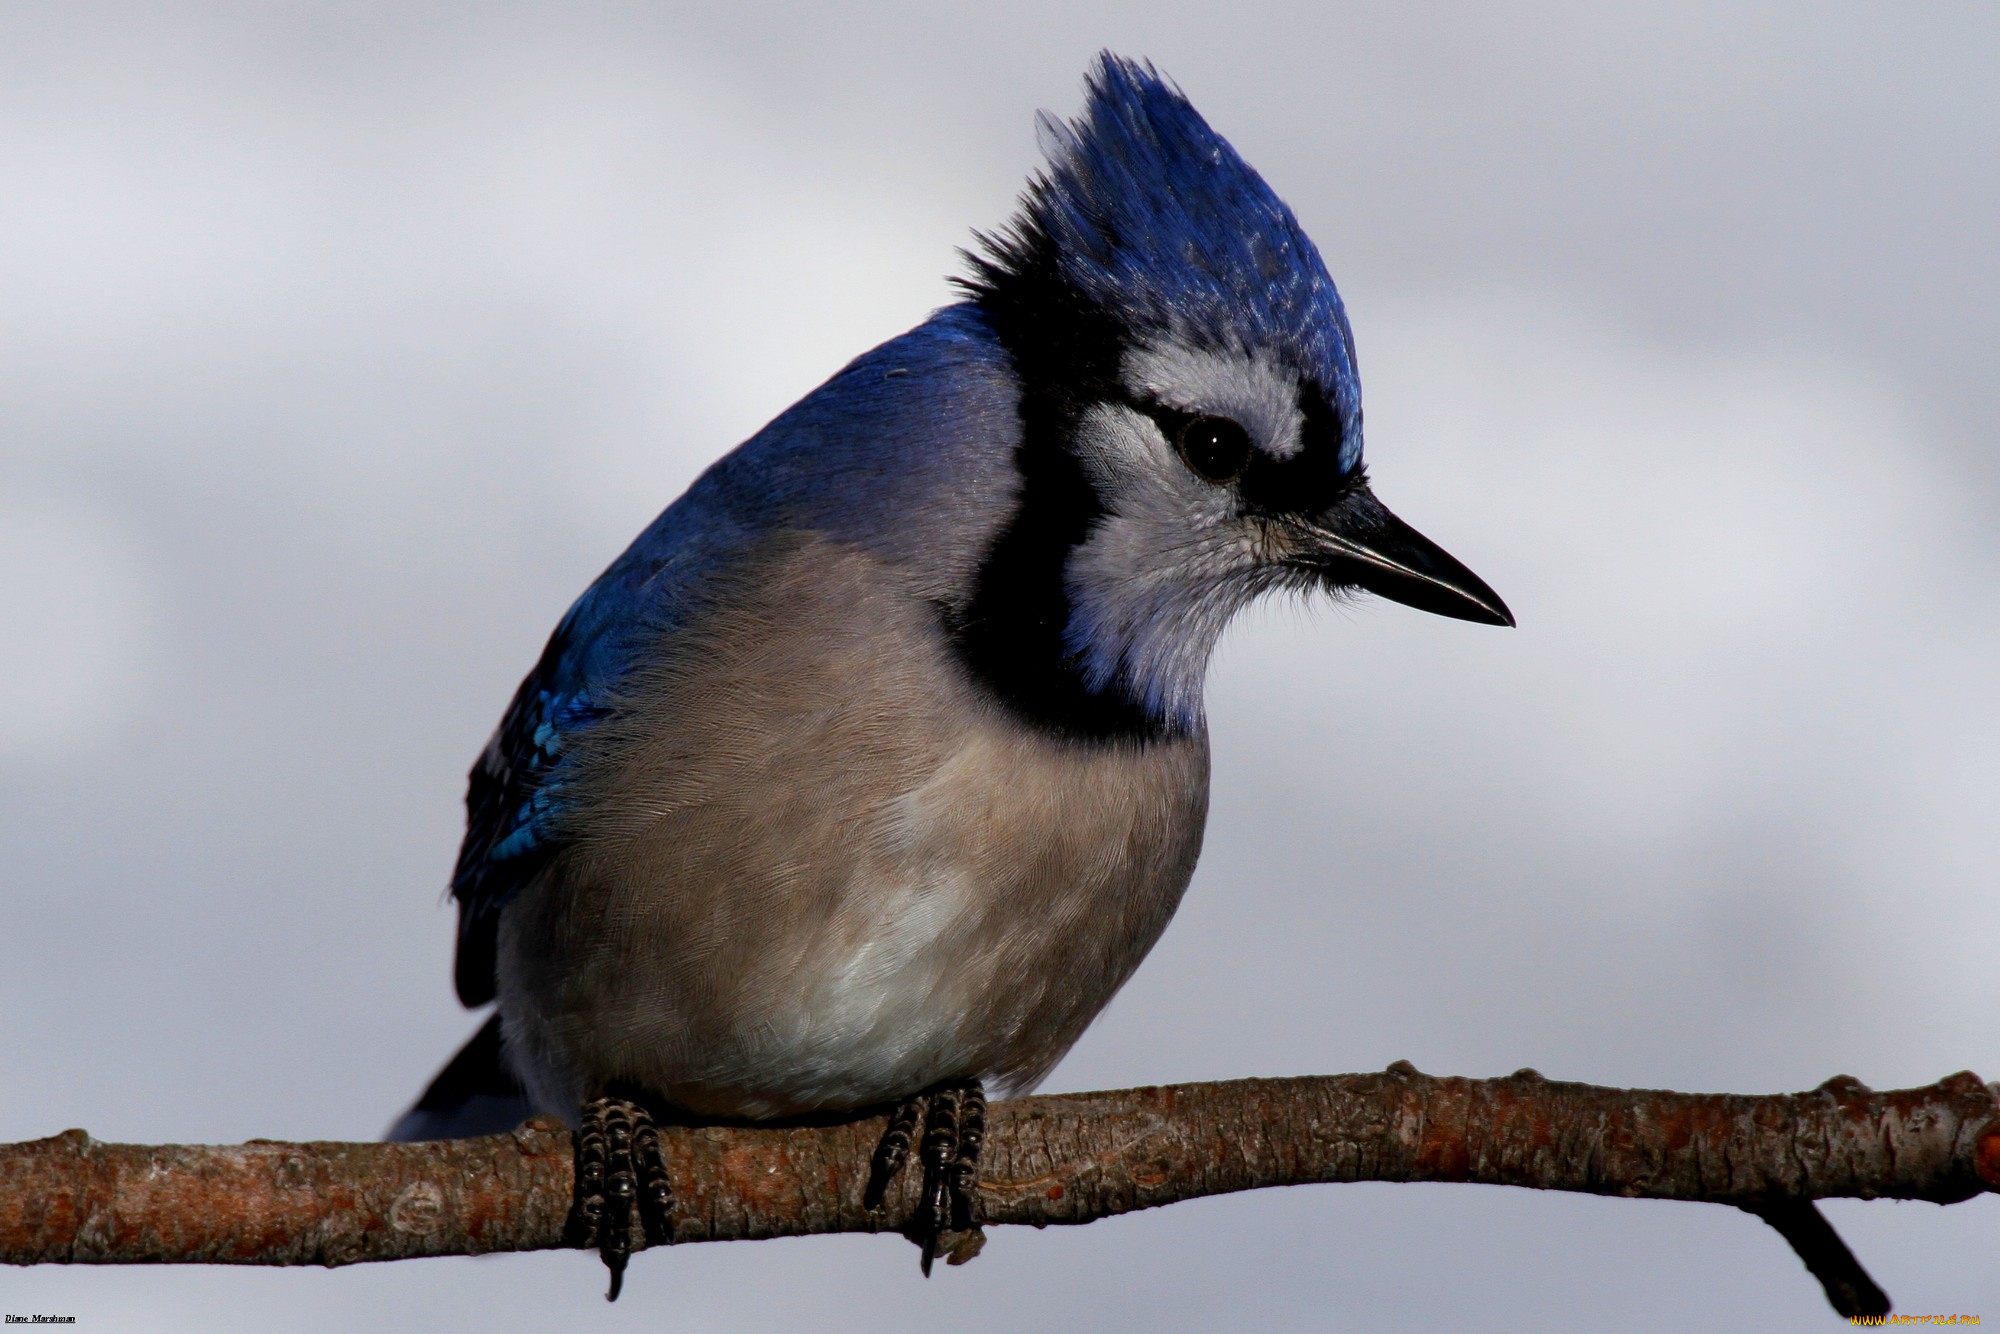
x: 520, y: 799
x: 514, y: 800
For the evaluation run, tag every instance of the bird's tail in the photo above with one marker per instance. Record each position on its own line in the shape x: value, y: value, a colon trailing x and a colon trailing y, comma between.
x: 476, y: 1094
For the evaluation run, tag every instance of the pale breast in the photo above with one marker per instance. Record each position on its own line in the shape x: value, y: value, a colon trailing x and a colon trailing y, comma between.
x: 826, y: 872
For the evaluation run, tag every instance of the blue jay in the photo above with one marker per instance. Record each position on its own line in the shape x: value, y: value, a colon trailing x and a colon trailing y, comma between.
x: 872, y: 769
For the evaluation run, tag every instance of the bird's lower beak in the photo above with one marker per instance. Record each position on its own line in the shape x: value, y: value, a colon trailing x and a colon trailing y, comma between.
x: 1359, y: 543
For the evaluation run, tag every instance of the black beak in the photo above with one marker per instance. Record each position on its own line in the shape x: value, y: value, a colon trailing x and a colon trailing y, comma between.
x: 1359, y: 543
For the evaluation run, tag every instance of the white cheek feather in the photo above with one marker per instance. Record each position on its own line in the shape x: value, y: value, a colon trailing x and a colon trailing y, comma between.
x: 1162, y: 573
x: 1258, y: 392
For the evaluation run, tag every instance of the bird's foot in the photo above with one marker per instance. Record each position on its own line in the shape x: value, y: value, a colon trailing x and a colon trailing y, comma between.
x: 620, y: 1171
x: 953, y: 1116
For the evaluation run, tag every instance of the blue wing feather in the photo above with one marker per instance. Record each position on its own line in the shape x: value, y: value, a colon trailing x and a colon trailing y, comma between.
x: 518, y: 796
x: 514, y: 803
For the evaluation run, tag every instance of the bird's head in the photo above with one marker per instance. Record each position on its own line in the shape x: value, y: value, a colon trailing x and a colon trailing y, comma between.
x: 1191, y: 419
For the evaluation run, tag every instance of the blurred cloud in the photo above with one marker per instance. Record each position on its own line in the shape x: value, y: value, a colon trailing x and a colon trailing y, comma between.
x: 1732, y: 521
x: 81, y: 628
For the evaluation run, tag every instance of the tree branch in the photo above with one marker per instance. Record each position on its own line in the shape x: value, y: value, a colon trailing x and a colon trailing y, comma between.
x: 1049, y: 1160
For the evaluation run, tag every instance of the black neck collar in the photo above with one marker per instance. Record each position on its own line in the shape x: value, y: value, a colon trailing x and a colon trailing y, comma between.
x: 1067, y: 352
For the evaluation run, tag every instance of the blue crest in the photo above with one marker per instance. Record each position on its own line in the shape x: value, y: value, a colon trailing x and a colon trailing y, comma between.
x: 1156, y: 219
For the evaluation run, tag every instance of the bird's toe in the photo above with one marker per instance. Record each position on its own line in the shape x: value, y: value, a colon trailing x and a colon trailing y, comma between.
x: 621, y: 1174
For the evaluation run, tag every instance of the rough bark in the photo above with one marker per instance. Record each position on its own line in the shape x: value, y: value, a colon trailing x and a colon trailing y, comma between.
x: 1049, y: 1160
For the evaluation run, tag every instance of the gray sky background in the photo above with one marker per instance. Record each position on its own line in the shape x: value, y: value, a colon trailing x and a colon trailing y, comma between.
x: 340, y: 346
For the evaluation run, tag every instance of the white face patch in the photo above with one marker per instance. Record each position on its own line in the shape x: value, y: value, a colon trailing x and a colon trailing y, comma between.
x: 1256, y: 391
x: 1165, y: 568
x: 1174, y: 556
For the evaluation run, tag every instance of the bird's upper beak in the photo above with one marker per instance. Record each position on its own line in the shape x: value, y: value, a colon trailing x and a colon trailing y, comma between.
x: 1358, y: 542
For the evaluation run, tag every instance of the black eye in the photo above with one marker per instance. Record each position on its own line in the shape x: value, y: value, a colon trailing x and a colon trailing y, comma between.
x: 1215, y: 447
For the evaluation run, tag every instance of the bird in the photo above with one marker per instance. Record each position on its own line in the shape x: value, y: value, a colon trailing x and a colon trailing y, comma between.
x: 875, y: 765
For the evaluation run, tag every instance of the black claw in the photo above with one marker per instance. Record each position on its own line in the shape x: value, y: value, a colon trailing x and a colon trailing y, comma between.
x: 940, y: 1147
x: 964, y: 1174
x: 656, y: 1189
x: 954, y: 1122
x: 892, y: 1152
x: 586, y: 1215
x: 620, y: 1171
